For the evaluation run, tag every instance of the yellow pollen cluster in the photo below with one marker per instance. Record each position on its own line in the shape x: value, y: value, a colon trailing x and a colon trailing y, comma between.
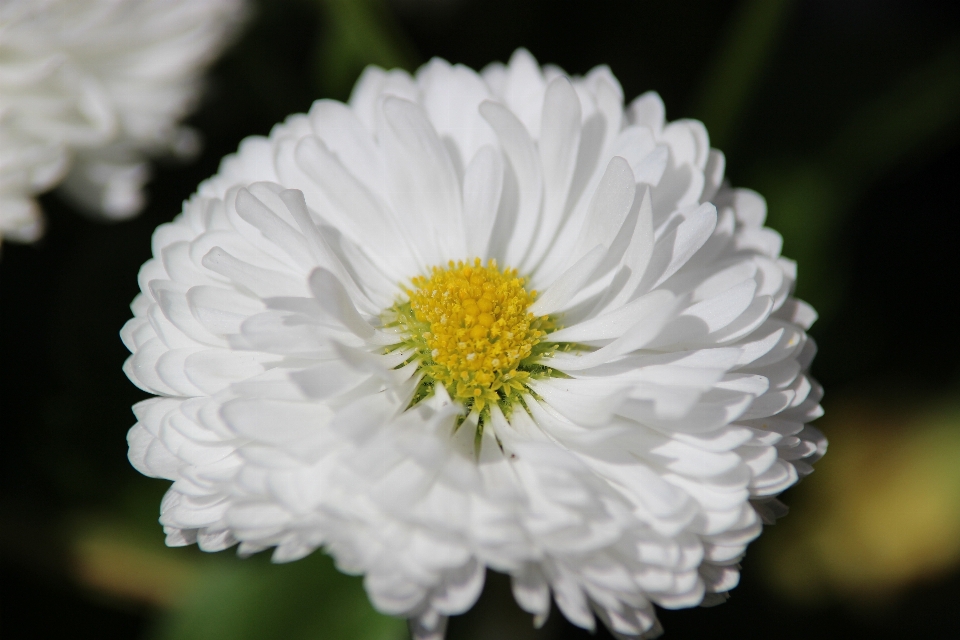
x: 477, y: 329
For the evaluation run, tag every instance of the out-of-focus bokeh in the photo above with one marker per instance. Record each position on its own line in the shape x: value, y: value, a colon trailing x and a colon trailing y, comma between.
x: 845, y: 114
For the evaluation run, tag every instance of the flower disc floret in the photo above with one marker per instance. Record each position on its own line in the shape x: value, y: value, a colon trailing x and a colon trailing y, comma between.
x: 473, y: 329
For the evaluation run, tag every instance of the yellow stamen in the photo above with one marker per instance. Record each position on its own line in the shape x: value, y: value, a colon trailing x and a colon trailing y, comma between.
x: 475, y: 329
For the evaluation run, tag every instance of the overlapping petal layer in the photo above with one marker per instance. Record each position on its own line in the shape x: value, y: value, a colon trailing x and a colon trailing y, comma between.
x: 89, y: 89
x: 633, y: 470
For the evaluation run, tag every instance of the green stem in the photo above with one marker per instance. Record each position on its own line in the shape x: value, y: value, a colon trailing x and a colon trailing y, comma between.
x: 358, y: 33
x: 739, y: 65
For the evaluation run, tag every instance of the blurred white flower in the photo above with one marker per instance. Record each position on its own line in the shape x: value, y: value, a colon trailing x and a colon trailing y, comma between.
x: 89, y: 89
x: 343, y: 330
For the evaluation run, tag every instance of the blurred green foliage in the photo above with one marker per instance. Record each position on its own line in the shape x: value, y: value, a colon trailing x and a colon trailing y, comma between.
x: 738, y: 67
x: 884, y: 511
x: 218, y: 595
x: 254, y: 599
x: 357, y: 33
x: 810, y: 198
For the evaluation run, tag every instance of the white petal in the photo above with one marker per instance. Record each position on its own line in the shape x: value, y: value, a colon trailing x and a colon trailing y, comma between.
x: 517, y: 223
x: 616, y: 323
x: 559, y: 143
x: 335, y: 300
x: 482, y: 186
x: 345, y: 136
x: 531, y: 591
x: 609, y: 208
x: 423, y: 186
x: 561, y: 291
x: 354, y: 209
x: 460, y: 589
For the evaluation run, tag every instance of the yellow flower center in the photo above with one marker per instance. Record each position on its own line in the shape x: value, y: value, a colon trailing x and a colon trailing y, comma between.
x: 473, y: 330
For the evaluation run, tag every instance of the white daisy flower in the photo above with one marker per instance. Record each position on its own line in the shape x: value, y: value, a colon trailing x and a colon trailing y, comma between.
x: 89, y: 89
x: 478, y: 321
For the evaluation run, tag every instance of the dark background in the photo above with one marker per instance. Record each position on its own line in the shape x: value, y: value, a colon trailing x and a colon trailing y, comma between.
x: 845, y: 114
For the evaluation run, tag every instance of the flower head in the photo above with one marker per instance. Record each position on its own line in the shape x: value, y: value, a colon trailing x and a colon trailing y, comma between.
x: 89, y: 88
x: 474, y: 321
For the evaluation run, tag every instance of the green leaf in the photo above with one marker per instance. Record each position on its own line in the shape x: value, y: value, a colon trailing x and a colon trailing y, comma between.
x: 253, y: 599
x: 358, y: 33
x: 736, y: 70
x: 911, y: 118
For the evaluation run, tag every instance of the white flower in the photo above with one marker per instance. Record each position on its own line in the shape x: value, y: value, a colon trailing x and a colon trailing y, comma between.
x: 340, y: 329
x: 89, y: 88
